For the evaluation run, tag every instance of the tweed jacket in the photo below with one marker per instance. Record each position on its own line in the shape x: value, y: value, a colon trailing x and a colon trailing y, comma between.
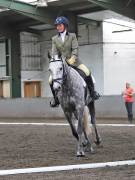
x: 68, y: 48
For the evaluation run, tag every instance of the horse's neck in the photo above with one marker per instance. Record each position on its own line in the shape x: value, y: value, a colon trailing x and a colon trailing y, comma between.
x: 67, y: 82
x: 70, y: 74
x: 73, y: 87
x: 73, y: 78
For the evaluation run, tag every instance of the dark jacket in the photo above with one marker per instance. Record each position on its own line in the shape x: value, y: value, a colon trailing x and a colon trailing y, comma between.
x: 68, y: 48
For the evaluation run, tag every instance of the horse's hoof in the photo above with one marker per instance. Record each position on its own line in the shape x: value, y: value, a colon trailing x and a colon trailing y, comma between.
x: 98, y: 142
x: 80, y: 154
x: 85, y: 143
x: 92, y: 150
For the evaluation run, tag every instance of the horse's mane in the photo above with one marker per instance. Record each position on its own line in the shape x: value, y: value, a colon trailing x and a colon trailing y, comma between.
x: 74, y: 74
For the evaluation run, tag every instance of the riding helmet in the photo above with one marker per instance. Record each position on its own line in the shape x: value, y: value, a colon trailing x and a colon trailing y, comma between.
x: 62, y: 20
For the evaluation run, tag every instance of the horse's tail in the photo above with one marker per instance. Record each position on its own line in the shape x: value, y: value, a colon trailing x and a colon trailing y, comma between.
x: 86, y: 120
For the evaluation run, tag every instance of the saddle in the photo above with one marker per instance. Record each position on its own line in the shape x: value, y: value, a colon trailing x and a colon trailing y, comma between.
x: 89, y: 82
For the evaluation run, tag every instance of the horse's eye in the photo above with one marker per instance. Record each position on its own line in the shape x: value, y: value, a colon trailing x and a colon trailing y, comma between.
x: 61, y: 69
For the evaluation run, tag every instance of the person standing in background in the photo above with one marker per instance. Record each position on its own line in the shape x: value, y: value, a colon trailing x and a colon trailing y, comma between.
x: 129, y: 99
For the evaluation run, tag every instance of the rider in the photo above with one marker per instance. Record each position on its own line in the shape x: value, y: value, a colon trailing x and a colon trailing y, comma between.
x: 66, y: 44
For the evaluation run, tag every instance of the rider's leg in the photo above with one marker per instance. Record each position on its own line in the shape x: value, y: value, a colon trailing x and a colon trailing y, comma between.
x: 54, y: 102
x: 91, y: 87
x: 89, y: 82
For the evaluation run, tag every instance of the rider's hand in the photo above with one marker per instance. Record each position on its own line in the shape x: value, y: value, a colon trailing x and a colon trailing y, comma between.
x: 72, y: 60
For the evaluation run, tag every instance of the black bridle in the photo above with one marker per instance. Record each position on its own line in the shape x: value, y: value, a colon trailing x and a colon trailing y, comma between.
x: 64, y: 76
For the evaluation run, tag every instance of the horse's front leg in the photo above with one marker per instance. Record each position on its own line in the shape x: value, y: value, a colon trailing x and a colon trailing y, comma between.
x: 80, y: 148
x: 69, y: 119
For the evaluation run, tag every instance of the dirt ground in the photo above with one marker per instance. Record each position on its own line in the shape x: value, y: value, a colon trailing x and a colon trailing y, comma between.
x: 23, y: 146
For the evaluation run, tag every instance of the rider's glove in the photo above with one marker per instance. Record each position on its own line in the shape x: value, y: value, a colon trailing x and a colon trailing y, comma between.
x: 72, y: 60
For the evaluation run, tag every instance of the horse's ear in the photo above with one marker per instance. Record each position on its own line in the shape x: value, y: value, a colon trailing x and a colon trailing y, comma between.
x: 49, y: 54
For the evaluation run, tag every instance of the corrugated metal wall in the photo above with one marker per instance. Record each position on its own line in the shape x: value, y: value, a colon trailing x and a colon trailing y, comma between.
x: 30, y: 52
x: 89, y: 34
x: 2, y: 59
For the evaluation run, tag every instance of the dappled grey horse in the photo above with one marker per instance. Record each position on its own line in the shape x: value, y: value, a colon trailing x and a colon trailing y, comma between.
x: 74, y: 99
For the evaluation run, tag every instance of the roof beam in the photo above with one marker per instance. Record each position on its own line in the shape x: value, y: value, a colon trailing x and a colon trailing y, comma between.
x: 30, y: 30
x: 88, y: 21
x: 7, y: 31
x: 81, y: 7
x: 118, y: 6
x: 74, y: 5
x: 41, y: 14
x: 89, y: 10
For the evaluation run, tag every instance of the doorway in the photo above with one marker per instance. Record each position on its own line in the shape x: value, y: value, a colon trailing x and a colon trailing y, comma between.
x: 32, y: 89
x: 1, y: 89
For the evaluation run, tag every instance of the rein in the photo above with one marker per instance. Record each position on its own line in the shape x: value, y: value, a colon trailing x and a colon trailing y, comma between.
x: 54, y: 60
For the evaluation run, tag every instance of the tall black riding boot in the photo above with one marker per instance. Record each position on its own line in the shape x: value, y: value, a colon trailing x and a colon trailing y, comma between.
x: 54, y: 102
x: 90, y: 85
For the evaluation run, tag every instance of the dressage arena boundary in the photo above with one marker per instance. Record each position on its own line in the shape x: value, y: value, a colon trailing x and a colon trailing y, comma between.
x: 62, y: 124
x: 66, y: 168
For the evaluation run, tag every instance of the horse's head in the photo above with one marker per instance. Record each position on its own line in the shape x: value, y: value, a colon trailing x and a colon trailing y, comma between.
x: 56, y: 69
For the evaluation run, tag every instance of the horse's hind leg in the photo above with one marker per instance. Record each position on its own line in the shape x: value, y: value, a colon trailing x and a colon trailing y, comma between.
x: 98, y: 138
x: 93, y: 122
x: 87, y: 143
